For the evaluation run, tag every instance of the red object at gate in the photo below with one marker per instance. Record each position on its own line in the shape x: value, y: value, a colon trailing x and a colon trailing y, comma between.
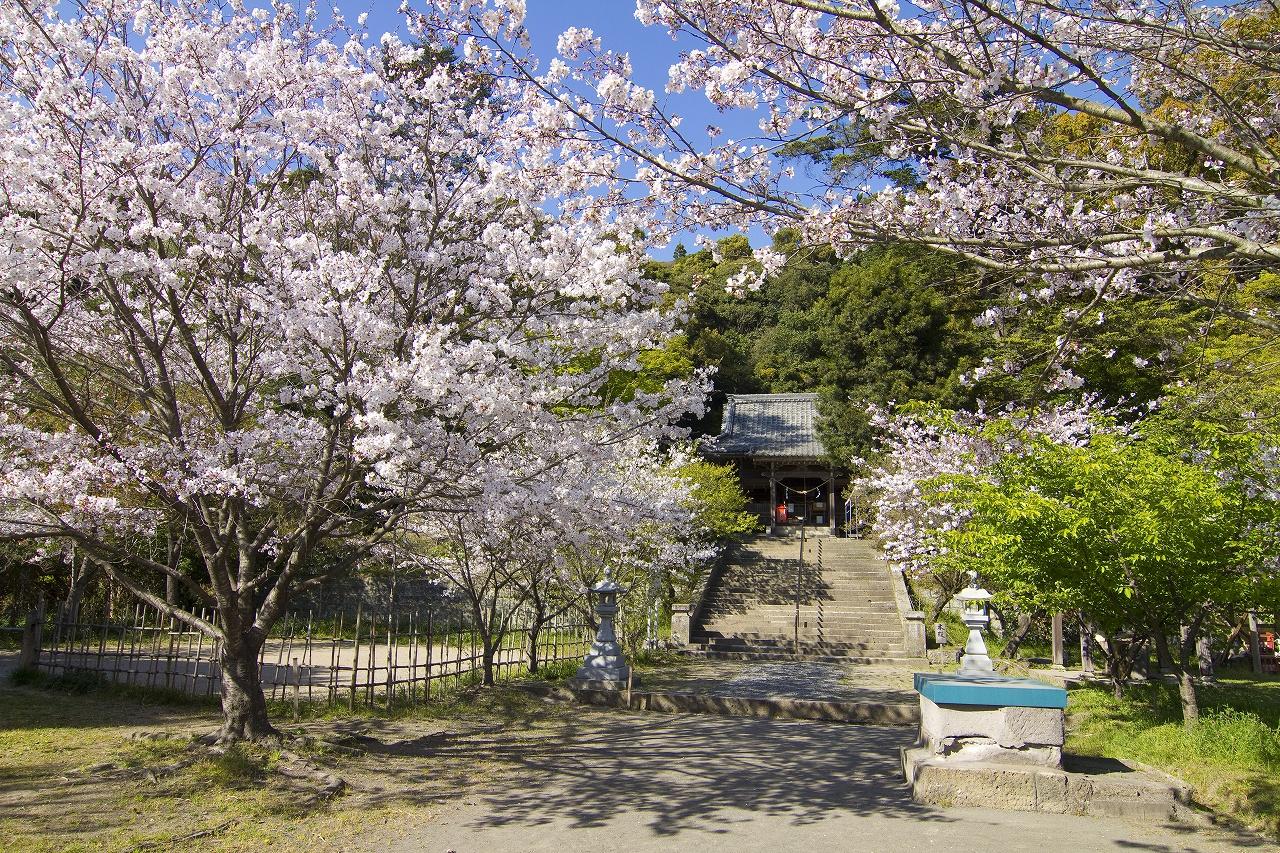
x: 780, y: 514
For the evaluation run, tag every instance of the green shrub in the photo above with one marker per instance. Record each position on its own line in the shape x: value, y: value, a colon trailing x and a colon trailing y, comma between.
x: 85, y: 681
x: 1239, y: 738
x: 557, y: 671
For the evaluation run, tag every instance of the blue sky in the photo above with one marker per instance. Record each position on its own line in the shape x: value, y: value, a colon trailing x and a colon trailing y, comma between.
x: 651, y: 49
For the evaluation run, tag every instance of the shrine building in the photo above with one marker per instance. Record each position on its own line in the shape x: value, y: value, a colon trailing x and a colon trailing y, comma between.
x: 772, y: 441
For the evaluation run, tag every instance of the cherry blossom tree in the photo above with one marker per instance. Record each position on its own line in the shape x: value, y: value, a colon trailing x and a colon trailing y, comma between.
x: 537, y: 541
x: 1095, y: 148
x: 275, y: 288
x: 920, y: 445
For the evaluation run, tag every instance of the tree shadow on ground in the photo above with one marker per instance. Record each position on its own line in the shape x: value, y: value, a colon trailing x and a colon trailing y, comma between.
x: 683, y: 773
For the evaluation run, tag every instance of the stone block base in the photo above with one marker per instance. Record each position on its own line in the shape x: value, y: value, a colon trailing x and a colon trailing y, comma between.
x: 578, y: 683
x: 1109, y: 789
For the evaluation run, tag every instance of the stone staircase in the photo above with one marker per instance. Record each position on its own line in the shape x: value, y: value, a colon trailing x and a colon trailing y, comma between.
x: 848, y: 607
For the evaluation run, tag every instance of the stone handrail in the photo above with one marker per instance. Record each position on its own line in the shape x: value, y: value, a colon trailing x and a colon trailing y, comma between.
x: 685, y: 614
x: 912, y: 619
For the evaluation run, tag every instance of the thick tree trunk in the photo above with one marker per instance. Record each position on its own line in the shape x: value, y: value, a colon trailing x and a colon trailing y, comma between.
x: 490, y: 648
x: 535, y: 630
x: 1187, y: 695
x: 1119, y: 658
x: 1163, y: 655
x: 81, y: 574
x: 938, y: 605
x: 244, y: 706
x: 1239, y: 633
x: 1010, y: 651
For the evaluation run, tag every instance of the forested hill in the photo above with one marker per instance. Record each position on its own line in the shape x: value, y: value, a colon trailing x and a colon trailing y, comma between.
x: 897, y: 324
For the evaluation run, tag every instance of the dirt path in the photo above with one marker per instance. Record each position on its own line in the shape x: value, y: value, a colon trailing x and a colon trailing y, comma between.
x: 629, y: 782
x: 788, y: 679
x: 501, y: 772
x: 8, y: 663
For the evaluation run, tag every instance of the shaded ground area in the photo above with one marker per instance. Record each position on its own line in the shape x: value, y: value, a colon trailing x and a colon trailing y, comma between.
x: 8, y: 663
x: 496, y: 770
x: 622, y: 782
x: 761, y: 680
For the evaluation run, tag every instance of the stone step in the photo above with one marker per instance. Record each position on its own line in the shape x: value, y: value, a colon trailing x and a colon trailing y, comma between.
x: 880, y: 617
x: 730, y: 625
x: 869, y: 619
x: 808, y: 644
x: 860, y: 597
x: 805, y: 601
x: 779, y: 629
x: 867, y: 660
x: 740, y: 619
x: 876, y: 618
x: 848, y: 604
x: 809, y: 641
x: 853, y: 608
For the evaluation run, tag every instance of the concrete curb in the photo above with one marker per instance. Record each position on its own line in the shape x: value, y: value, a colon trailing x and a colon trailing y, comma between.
x: 1096, y: 787
x: 774, y: 707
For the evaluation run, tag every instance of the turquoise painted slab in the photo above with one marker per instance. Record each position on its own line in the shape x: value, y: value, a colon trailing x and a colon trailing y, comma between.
x: 991, y: 690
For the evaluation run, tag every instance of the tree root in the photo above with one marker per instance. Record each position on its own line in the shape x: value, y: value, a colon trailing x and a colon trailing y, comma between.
x: 322, y: 785
x: 191, y: 836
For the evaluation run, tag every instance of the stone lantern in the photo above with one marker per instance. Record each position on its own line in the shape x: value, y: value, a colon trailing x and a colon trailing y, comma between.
x: 974, y: 601
x: 987, y: 739
x: 604, y: 667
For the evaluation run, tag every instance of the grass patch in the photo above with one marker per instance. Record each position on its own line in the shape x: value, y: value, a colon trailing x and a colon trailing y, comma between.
x: 557, y: 671
x: 465, y: 700
x: 1231, y: 757
x: 72, y: 770
x: 82, y: 682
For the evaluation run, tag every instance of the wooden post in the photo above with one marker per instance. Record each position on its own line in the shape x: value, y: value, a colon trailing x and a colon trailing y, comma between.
x: 31, y: 636
x: 1255, y: 643
x: 431, y: 639
x: 334, y: 660
x: 195, y: 673
x: 142, y: 643
x: 295, y: 681
x: 171, y: 660
x: 355, y: 663
x: 391, y: 645
x: 413, y: 658
x: 306, y: 654
x: 831, y: 501
x: 773, y: 500
x: 1086, y: 647
x: 1059, y: 654
x: 371, y: 669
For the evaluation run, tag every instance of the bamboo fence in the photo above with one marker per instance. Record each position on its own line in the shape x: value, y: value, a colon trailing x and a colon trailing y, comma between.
x: 361, y: 658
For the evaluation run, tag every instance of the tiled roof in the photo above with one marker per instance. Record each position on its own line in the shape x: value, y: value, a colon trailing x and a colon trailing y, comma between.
x: 770, y: 425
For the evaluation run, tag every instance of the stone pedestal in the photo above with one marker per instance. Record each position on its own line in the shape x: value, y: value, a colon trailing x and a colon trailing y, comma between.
x: 681, y: 625
x: 991, y: 719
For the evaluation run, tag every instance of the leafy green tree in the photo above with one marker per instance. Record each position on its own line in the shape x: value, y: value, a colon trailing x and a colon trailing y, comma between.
x: 878, y: 328
x: 718, y: 505
x: 1139, y: 536
x: 892, y: 330
x: 717, y: 501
